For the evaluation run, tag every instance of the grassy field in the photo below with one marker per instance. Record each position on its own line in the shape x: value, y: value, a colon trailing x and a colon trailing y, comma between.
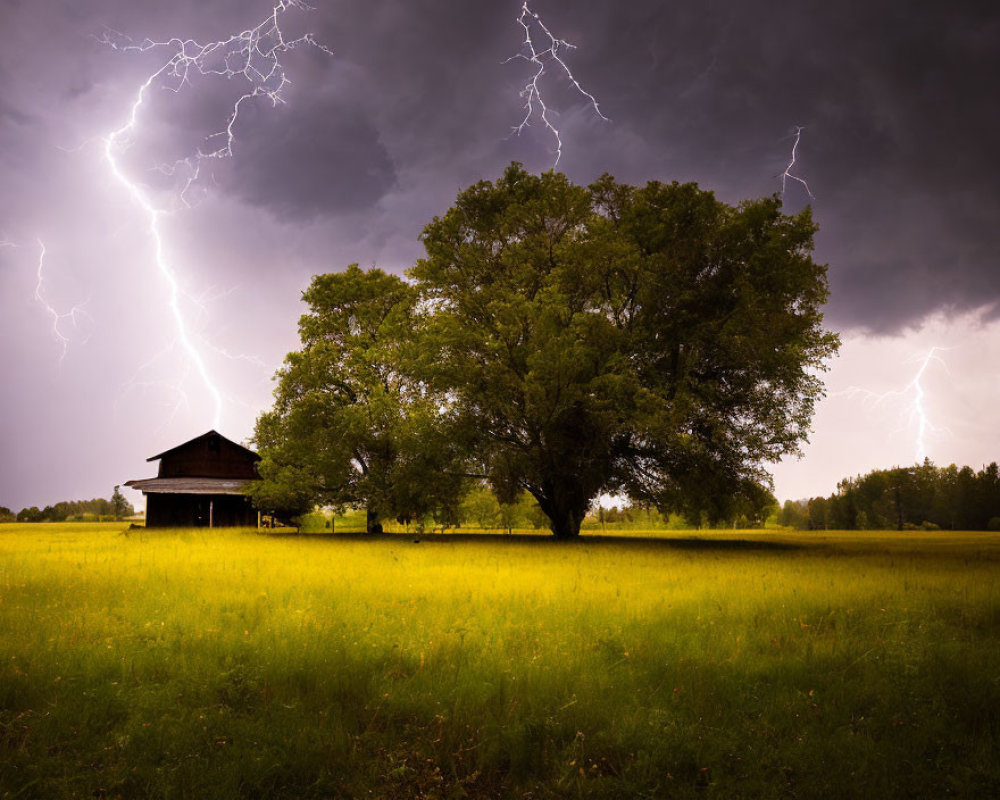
x: 197, y: 664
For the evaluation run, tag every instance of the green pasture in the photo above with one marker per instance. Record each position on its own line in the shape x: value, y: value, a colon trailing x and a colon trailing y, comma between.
x: 729, y: 664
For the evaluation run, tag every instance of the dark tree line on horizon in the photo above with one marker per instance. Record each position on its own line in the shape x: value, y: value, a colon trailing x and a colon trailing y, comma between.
x: 73, y: 510
x: 905, y: 498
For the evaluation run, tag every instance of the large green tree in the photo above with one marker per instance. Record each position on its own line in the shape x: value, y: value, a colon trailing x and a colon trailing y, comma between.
x: 652, y: 341
x: 350, y: 425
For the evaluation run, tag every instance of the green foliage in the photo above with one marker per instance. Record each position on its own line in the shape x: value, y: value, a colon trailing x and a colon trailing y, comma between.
x: 30, y: 514
x: 751, y: 507
x: 314, y: 522
x: 120, y: 507
x: 481, y: 508
x: 649, y: 341
x: 349, y: 424
x: 564, y: 341
x: 633, y: 518
x: 905, y: 498
x: 526, y: 513
x: 6, y: 515
x: 75, y: 510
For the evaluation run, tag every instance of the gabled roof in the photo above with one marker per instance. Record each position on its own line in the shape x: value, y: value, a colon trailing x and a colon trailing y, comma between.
x: 208, y: 435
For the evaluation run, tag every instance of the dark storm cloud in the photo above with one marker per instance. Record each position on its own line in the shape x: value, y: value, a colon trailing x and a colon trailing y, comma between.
x: 321, y: 155
x: 898, y: 140
x: 896, y: 101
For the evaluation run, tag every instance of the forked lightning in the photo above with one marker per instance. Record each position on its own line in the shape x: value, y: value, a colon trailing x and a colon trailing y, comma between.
x: 253, y: 56
x: 532, y: 91
x: 911, y: 397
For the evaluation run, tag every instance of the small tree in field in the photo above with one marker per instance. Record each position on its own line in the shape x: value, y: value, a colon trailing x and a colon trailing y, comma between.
x: 350, y: 425
x: 480, y: 507
x: 120, y: 507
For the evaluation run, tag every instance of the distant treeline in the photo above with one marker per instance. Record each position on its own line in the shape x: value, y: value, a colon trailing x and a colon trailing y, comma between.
x: 73, y: 511
x: 905, y: 498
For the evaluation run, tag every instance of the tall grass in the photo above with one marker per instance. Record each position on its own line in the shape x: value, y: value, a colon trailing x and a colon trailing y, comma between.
x: 229, y: 664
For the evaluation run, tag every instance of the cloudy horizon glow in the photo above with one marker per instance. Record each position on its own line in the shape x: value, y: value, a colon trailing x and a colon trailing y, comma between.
x: 415, y: 103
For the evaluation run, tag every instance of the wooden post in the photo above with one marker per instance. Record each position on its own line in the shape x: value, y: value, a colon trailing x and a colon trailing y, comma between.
x: 211, y: 508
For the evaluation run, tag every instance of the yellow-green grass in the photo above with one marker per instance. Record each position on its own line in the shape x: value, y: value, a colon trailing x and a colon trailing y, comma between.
x: 218, y: 664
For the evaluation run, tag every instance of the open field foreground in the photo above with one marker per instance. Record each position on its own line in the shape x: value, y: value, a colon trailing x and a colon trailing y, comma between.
x: 199, y: 664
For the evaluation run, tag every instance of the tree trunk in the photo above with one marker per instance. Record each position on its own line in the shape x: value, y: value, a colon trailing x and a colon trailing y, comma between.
x: 566, y: 526
x: 372, y: 524
x: 565, y: 511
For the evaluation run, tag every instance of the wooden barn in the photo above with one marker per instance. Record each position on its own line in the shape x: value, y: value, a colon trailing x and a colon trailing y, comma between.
x: 200, y: 483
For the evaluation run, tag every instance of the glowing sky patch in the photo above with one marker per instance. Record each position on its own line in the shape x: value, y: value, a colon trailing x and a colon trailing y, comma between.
x: 895, y: 400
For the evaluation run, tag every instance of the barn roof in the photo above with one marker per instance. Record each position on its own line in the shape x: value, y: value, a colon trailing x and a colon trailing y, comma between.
x: 208, y: 435
x: 189, y: 485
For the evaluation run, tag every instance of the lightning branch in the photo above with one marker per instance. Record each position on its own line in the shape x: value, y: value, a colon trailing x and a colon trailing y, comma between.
x: 788, y: 175
x: 542, y: 58
x: 911, y: 398
x: 255, y: 58
x: 58, y: 319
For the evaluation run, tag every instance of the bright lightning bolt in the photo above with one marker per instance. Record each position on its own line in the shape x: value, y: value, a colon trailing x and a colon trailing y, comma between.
x: 787, y: 174
x: 253, y: 55
x: 531, y: 91
x: 912, y: 396
x: 72, y: 315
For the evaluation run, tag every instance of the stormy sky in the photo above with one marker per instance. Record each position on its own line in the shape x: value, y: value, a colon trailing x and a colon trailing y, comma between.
x: 414, y: 101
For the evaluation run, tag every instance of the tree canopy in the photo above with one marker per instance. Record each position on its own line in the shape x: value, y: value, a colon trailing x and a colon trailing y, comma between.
x: 649, y: 341
x: 349, y: 424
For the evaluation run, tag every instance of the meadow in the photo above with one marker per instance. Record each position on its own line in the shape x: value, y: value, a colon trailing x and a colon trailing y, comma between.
x: 708, y: 664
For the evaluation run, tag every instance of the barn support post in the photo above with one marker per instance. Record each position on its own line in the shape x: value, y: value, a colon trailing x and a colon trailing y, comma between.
x: 211, y: 508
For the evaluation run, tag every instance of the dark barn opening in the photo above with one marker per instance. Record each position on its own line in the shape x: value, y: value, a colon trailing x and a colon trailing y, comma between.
x: 201, y: 483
